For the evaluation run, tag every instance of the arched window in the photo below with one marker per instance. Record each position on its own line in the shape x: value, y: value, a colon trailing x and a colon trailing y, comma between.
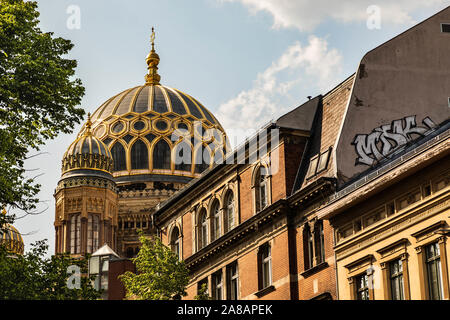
x: 229, y: 211
x: 161, y: 155
x: 202, y: 159
x: 182, y: 156
x: 93, y: 233
x: 215, y: 221
x: 175, y: 241
x: 75, y: 234
x: 261, y: 188
x: 139, y: 155
x: 202, y: 232
x: 119, y: 158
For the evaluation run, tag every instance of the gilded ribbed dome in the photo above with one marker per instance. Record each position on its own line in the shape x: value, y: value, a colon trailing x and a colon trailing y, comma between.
x: 138, y: 126
x: 87, y: 152
x: 12, y: 239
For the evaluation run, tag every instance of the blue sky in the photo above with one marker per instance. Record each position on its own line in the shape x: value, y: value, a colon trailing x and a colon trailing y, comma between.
x: 247, y: 61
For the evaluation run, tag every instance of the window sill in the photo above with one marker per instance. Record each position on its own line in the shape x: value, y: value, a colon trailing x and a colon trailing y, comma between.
x: 265, y: 291
x: 314, y: 269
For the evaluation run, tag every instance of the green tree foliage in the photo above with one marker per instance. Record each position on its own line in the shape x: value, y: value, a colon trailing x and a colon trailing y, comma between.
x: 203, y: 293
x: 38, y: 96
x: 33, y: 277
x: 160, y: 274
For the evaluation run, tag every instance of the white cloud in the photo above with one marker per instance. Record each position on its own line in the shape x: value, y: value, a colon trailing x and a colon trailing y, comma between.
x: 281, y: 86
x: 305, y: 15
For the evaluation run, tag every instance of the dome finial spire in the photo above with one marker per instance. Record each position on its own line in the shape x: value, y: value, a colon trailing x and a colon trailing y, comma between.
x: 152, y: 61
x: 88, y: 125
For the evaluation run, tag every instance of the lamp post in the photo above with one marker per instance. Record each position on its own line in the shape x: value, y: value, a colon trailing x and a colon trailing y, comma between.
x: 99, y: 267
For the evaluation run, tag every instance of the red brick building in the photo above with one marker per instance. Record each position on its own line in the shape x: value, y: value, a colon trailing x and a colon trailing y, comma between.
x: 285, y: 215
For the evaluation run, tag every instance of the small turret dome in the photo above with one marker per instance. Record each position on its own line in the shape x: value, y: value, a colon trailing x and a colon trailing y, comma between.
x: 10, y: 238
x: 87, y: 152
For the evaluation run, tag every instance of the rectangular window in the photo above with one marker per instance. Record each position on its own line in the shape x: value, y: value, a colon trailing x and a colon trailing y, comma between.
x: 232, y: 281
x: 390, y: 209
x: 312, y: 167
x: 396, y: 280
x: 345, y: 232
x: 217, y: 285
x: 310, y: 251
x: 373, y: 217
x: 266, y: 266
x: 445, y: 27
x: 426, y: 190
x: 409, y: 199
x: 362, y: 287
x: 323, y: 161
x: 434, y: 272
x: 319, y: 243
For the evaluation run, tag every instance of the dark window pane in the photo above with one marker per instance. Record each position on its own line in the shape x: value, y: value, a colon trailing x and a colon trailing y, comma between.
x: 434, y: 272
x: 161, y: 155
x: 118, y: 127
x: 183, y: 126
x: 107, y: 141
x: 128, y: 138
x: 183, y: 157
x: 202, y: 159
x: 207, y: 115
x: 396, y: 275
x: 150, y: 137
x: 362, y: 287
x: 119, y: 158
x: 141, y: 104
x: 177, y: 105
x: 191, y: 106
x: 139, y: 125
x: 161, y: 125
x: 139, y: 155
x: 159, y: 102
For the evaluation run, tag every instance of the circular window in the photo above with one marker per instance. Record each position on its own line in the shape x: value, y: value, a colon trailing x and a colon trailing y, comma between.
x: 117, y: 127
x: 139, y: 125
x: 161, y: 125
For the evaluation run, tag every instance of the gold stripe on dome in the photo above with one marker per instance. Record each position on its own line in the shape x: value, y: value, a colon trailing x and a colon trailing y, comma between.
x: 124, y: 105
x: 133, y: 101
x: 166, y: 97
x: 180, y: 98
x: 193, y: 101
x: 94, y: 115
x: 114, y: 110
x: 151, y: 94
x: 96, y: 169
x: 12, y: 240
x: 98, y: 147
x: 109, y: 102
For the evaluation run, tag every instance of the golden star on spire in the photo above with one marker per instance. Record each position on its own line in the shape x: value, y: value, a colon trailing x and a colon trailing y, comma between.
x: 152, y: 60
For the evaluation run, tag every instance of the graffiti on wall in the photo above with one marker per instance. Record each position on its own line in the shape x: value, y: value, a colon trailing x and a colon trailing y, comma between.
x: 386, y: 138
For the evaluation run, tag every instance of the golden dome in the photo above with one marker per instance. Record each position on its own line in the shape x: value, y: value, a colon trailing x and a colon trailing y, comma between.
x: 138, y: 126
x: 87, y: 152
x: 11, y: 239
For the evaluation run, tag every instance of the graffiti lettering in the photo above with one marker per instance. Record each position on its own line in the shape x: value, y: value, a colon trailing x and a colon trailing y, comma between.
x: 386, y: 138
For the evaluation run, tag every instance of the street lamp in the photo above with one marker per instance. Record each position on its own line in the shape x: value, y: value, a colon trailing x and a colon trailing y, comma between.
x: 99, y: 267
